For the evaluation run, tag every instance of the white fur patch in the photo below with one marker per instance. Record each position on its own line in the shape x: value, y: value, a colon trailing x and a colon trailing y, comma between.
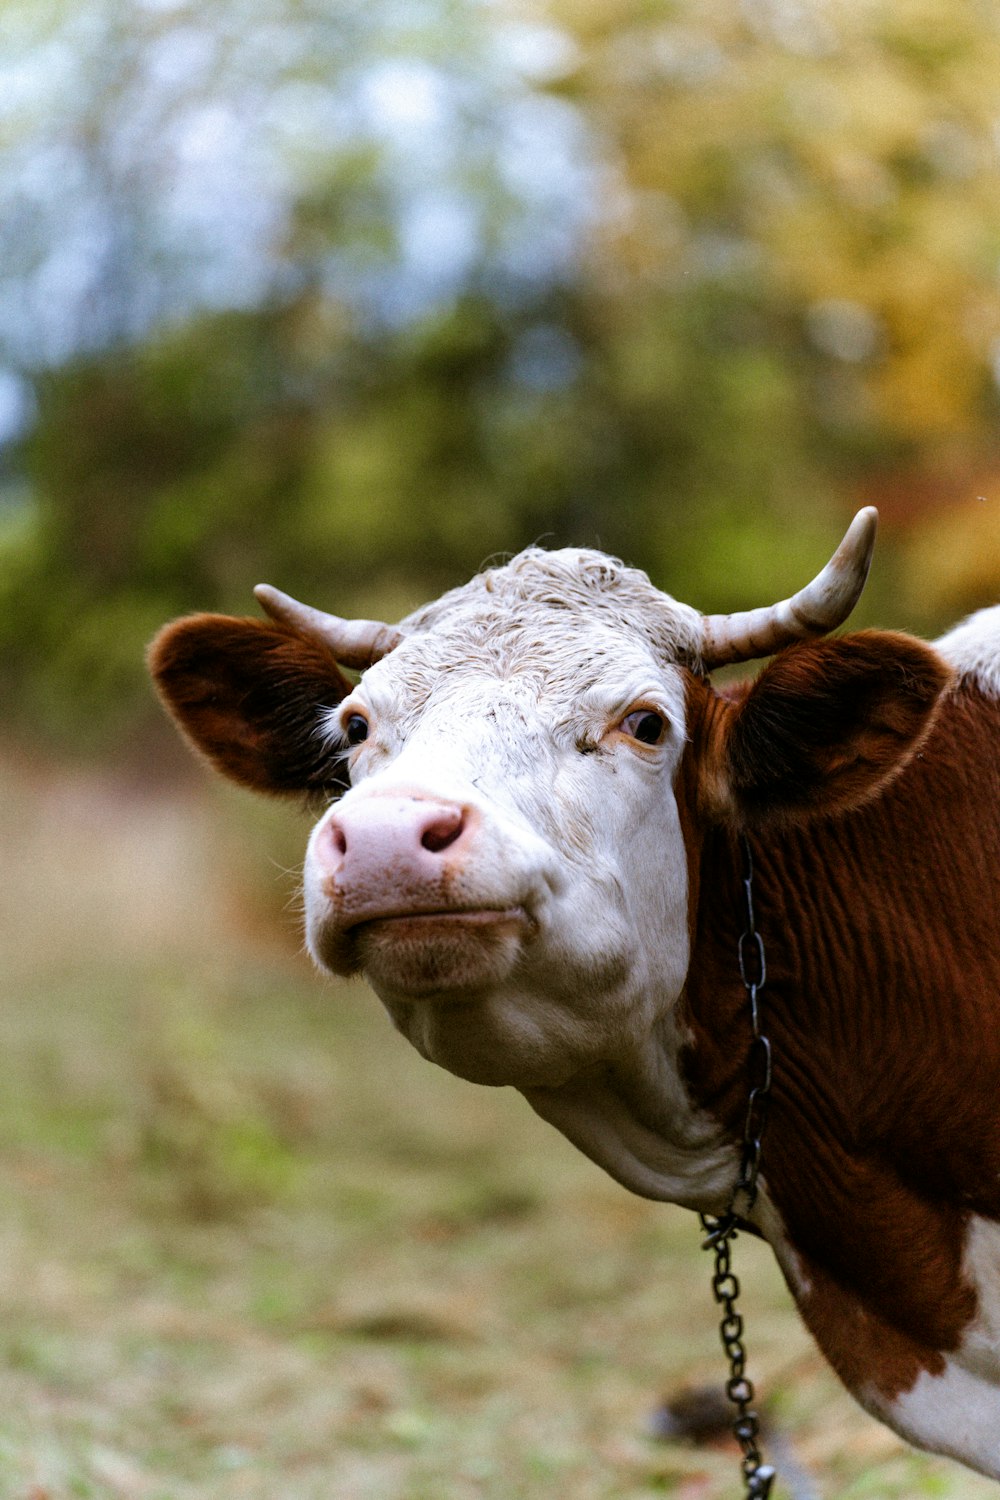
x: 981, y: 1345
x: 973, y: 649
x: 954, y: 1413
x: 958, y: 1412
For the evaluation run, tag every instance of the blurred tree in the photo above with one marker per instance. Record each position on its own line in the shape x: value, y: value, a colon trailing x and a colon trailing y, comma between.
x: 836, y: 160
x: 951, y: 562
x: 260, y: 280
x: 801, y: 229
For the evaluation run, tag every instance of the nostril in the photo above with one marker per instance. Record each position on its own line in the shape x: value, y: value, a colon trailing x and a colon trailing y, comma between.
x: 338, y: 838
x: 443, y: 831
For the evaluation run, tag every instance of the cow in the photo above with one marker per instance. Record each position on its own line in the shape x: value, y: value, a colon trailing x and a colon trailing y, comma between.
x: 537, y: 808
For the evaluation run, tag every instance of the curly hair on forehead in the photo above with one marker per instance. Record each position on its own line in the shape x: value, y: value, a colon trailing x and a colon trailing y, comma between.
x: 526, y: 592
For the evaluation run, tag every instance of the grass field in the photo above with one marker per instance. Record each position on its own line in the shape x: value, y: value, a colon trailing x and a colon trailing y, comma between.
x: 253, y: 1246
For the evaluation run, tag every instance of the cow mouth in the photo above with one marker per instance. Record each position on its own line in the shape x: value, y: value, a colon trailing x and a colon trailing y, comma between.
x: 445, y: 951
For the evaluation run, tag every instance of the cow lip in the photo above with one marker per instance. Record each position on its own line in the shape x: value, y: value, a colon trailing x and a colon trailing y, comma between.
x: 442, y: 941
x: 476, y: 916
x: 448, y: 953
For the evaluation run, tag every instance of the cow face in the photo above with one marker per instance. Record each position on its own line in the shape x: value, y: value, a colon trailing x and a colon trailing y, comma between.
x: 509, y: 863
x: 508, y: 868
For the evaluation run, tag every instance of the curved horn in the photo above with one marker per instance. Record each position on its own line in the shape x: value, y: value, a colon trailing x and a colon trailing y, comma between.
x: 355, y: 643
x: 821, y: 606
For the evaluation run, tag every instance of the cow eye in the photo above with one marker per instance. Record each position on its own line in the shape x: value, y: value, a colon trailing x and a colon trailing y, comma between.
x: 356, y: 729
x: 644, y: 725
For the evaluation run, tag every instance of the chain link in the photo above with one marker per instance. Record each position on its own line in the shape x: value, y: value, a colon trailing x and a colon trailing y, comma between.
x: 722, y: 1230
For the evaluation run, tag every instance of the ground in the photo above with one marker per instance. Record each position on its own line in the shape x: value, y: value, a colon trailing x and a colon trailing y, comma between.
x: 253, y: 1246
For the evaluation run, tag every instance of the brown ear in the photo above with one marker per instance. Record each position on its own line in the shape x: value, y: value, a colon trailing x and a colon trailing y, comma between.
x: 250, y: 695
x: 825, y: 725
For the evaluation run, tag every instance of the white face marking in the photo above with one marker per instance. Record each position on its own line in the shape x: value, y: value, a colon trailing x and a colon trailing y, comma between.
x: 548, y: 941
x: 973, y: 649
x: 577, y: 826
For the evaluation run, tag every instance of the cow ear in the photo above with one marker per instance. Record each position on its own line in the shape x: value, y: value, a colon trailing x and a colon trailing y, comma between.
x: 824, y: 727
x: 250, y: 695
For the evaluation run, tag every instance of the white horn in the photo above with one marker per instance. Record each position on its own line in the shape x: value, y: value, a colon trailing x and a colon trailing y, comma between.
x: 821, y: 606
x: 354, y: 643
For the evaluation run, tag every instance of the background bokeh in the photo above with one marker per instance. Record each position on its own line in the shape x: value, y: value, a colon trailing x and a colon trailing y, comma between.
x: 352, y: 296
x: 355, y: 296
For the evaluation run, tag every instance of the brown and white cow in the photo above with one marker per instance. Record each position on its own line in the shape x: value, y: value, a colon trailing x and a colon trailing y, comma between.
x: 532, y: 852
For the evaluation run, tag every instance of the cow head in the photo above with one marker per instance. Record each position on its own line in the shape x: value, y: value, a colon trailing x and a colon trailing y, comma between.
x: 519, y: 779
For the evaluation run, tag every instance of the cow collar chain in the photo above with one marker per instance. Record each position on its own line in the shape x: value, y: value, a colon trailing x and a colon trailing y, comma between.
x: 722, y: 1230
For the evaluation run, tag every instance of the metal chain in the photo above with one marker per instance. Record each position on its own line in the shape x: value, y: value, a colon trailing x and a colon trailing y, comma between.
x: 722, y: 1230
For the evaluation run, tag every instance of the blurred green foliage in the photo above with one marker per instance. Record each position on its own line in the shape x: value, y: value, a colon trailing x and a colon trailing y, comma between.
x: 775, y: 296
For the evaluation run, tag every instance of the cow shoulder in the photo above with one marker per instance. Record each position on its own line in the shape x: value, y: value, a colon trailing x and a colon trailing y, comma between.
x: 823, y: 728
x: 250, y: 696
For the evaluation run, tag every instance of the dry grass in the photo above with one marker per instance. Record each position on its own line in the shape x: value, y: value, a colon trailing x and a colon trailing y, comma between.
x: 253, y: 1246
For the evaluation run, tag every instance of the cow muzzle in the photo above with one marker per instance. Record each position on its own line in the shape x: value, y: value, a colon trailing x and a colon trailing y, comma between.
x: 397, y: 885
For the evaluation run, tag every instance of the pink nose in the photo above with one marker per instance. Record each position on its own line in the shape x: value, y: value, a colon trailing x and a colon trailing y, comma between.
x: 390, y: 836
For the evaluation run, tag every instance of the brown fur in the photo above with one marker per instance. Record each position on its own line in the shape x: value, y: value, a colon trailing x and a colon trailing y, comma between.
x: 881, y: 1002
